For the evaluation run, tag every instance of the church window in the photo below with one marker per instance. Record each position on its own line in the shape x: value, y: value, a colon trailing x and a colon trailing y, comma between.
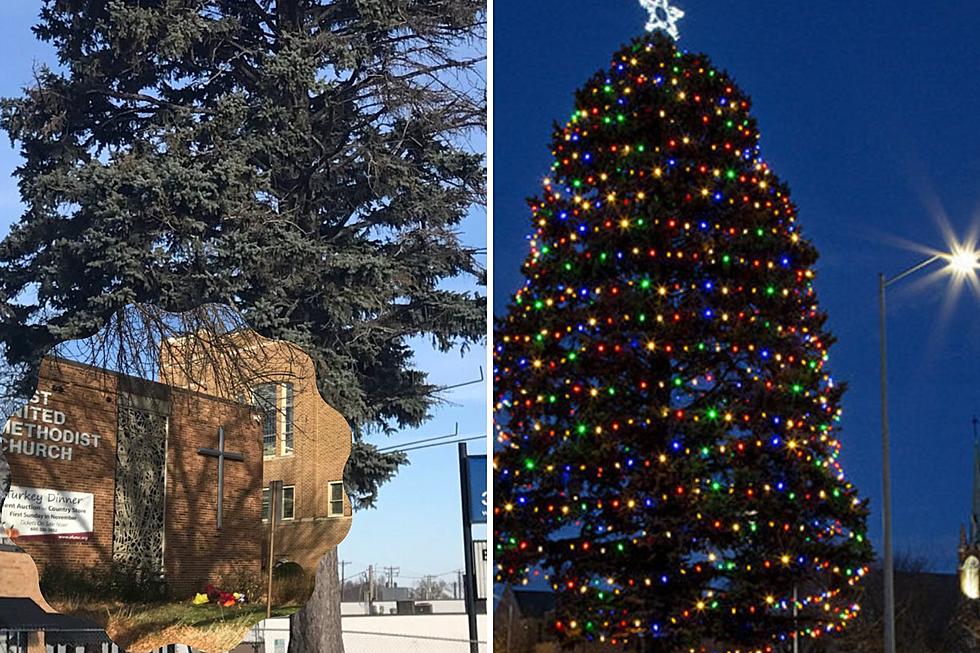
x: 288, y: 502
x: 287, y: 411
x: 288, y: 509
x: 265, y: 401
x: 336, y: 499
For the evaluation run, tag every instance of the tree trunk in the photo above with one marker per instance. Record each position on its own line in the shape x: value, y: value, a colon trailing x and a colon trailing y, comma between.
x: 316, y: 628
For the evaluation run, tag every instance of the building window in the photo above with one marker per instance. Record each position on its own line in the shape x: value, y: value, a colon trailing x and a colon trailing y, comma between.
x: 288, y: 502
x: 265, y: 401
x: 280, y: 646
x: 288, y: 509
x: 336, y: 499
x: 287, y: 419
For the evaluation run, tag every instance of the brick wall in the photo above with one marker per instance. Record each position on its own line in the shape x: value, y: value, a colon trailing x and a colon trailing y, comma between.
x: 195, y: 552
x: 305, y: 542
x: 87, y: 397
x: 322, y: 437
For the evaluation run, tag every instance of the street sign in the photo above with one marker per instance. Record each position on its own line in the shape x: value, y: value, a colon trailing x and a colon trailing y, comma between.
x: 477, y: 475
x: 480, y: 557
x: 473, y: 495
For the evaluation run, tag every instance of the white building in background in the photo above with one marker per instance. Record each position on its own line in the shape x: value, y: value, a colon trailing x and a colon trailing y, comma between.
x: 267, y: 636
x: 969, y: 551
x: 442, y: 606
x: 443, y: 631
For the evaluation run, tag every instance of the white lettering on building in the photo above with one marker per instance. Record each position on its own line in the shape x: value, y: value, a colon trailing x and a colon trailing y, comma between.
x: 39, y: 430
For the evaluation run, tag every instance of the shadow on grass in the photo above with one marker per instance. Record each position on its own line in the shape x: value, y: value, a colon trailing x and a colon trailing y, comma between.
x: 129, y: 624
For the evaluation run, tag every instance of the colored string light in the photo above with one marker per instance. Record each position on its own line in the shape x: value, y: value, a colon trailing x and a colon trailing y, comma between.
x: 667, y: 457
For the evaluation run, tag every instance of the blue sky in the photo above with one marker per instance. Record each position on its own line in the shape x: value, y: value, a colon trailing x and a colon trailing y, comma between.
x: 869, y: 111
x: 417, y: 525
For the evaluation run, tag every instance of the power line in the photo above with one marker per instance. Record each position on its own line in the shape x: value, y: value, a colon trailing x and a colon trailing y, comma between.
x: 357, y: 575
x: 445, y: 573
x: 398, y: 447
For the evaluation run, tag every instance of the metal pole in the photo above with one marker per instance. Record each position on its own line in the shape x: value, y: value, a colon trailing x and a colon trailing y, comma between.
x: 371, y: 589
x: 221, y: 472
x: 469, y: 584
x: 889, y: 562
x: 796, y: 627
x: 274, y: 499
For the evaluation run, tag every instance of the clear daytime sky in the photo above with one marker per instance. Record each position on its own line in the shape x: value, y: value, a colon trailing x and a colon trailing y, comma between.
x: 417, y: 525
x: 869, y: 110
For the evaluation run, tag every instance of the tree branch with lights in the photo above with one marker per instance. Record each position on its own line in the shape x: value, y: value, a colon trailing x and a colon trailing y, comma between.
x: 667, y: 422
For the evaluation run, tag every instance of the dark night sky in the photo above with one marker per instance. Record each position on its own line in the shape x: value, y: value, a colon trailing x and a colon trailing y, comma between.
x: 871, y: 112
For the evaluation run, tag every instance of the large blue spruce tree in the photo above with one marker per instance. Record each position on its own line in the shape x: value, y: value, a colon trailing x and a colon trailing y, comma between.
x: 301, y: 161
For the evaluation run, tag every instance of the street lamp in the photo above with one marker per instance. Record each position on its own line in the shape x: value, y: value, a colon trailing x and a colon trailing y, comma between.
x: 961, y: 261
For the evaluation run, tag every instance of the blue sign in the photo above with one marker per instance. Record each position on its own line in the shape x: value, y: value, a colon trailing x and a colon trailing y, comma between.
x: 476, y: 472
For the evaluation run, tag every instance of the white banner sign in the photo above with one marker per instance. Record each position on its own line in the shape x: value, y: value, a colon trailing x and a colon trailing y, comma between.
x: 480, y: 560
x: 42, y: 514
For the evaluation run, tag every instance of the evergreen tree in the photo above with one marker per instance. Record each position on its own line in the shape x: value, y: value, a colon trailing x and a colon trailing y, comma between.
x: 304, y: 162
x: 298, y: 160
x: 668, y: 451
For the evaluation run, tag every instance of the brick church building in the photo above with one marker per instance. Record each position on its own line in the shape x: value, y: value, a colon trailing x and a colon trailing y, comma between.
x: 305, y: 441
x: 170, y: 477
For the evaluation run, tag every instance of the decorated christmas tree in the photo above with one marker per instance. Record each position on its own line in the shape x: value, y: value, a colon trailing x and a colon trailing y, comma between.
x: 667, y: 455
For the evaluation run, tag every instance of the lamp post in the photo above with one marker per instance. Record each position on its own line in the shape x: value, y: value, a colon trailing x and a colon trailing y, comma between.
x: 960, y: 262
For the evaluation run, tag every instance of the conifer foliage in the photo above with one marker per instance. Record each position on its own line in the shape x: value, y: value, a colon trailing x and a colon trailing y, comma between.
x: 304, y: 162
x: 667, y: 423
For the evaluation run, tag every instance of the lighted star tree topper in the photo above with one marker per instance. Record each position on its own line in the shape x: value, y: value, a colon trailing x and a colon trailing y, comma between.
x: 663, y: 17
x: 667, y: 424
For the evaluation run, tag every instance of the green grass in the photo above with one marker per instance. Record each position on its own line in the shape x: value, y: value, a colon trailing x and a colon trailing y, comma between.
x: 143, y: 627
x: 183, y: 613
x: 200, y: 616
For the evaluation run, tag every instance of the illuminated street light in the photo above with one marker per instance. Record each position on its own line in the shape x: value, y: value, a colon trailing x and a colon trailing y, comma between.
x: 964, y: 261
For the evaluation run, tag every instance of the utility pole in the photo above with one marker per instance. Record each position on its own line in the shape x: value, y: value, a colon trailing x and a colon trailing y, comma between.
x: 370, y: 589
x: 392, y: 572
x: 343, y: 571
x: 886, y: 482
x: 343, y: 576
x: 430, y: 588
